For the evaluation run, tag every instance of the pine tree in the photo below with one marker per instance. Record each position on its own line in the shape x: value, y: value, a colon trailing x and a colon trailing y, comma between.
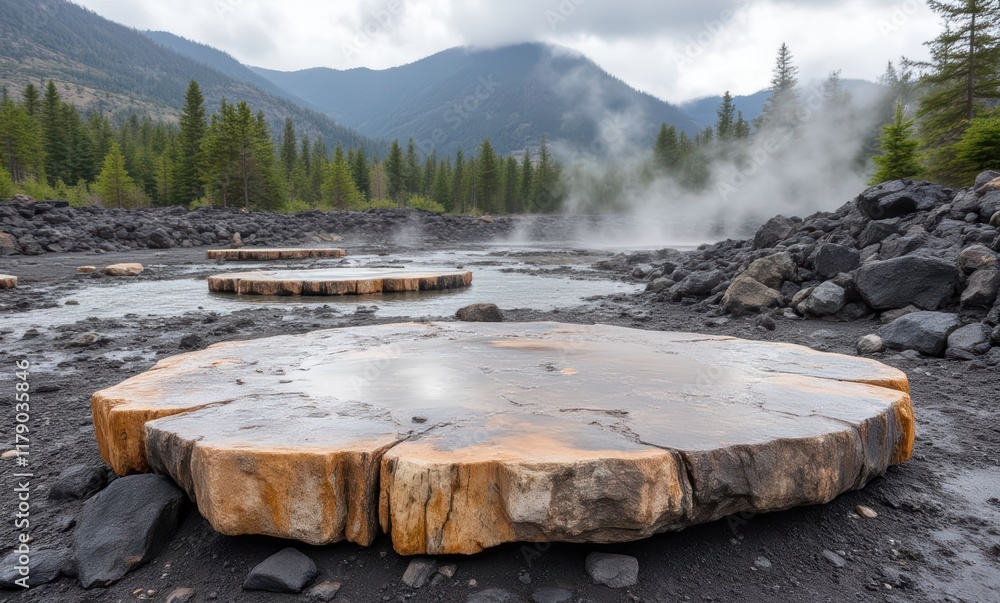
x: 979, y: 148
x: 487, y: 177
x: 339, y: 190
x: 6, y: 184
x: 546, y: 189
x: 31, y: 100
x: 510, y: 186
x: 782, y: 109
x: 412, y: 169
x: 667, y: 152
x: 527, y: 180
x: 54, y: 134
x: 742, y: 127
x: 361, y: 173
x: 21, y: 147
x: 114, y: 183
x: 725, y: 127
x: 962, y: 76
x: 457, y: 198
x: 442, y: 185
x: 395, y: 171
x: 289, y: 155
x: 898, y: 156
x: 188, y: 181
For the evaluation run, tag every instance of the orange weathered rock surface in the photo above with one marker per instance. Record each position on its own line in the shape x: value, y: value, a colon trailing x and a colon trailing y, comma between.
x: 7, y: 281
x: 454, y: 438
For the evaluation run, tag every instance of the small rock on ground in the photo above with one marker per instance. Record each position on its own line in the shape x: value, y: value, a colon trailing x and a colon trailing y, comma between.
x: 866, y: 512
x: 287, y: 571
x: 834, y: 558
x: 323, y: 592
x: 419, y: 572
x: 615, y: 571
x: 125, y: 526
x: 79, y: 482
x: 180, y: 595
x: 480, y: 313
x: 44, y: 566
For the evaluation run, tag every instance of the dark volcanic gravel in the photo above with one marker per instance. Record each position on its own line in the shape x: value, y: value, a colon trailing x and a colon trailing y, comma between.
x: 936, y: 537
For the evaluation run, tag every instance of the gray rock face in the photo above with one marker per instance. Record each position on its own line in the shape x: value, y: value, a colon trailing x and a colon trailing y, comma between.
x: 832, y: 260
x: 79, y: 482
x: 989, y: 205
x: 615, y: 571
x: 924, y: 332
x: 287, y: 571
x: 748, y: 295
x: 697, y: 284
x: 125, y: 526
x: 981, y: 291
x: 480, y: 313
x: 977, y: 257
x: 774, y: 231
x: 900, y: 198
x: 969, y: 341
x: 897, y: 246
x: 985, y: 178
x: 825, y: 300
x: 773, y: 270
x: 44, y: 566
x: 877, y: 231
x: 160, y: 239
x: 922, y: 281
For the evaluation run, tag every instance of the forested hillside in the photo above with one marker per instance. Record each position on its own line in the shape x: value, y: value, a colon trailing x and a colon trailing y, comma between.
x: 100, y: 65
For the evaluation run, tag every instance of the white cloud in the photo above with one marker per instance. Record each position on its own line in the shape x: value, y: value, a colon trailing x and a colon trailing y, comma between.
x: 674, y: 49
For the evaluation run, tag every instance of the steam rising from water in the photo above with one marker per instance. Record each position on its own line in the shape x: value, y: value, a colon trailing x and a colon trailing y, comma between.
x: 817, y: 166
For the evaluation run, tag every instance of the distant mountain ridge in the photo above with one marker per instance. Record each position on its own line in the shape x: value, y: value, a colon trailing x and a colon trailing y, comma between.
x: 512, y: 95
x: 101, y: 65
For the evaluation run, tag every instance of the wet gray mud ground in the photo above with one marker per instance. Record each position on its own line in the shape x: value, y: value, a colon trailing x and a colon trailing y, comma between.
x: 936, y: 537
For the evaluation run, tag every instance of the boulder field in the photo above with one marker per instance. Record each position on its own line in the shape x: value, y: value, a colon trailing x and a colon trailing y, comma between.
x: 921, y: 257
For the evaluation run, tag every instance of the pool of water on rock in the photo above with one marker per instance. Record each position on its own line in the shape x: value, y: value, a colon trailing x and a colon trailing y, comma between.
x: 497, y: 278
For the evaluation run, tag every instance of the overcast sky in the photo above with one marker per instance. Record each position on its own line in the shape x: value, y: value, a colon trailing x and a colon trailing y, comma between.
x: 676, y: 50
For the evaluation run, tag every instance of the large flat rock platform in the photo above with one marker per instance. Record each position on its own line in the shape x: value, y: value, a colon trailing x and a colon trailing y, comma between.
x: 457, y: 437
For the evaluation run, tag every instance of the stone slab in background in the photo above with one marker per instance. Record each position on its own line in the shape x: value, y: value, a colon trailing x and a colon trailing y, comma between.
x: 337, y: 281
x: 270, y: 255
x: 457, y: 437
x: 124, y: 270
x: 7, y: 281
